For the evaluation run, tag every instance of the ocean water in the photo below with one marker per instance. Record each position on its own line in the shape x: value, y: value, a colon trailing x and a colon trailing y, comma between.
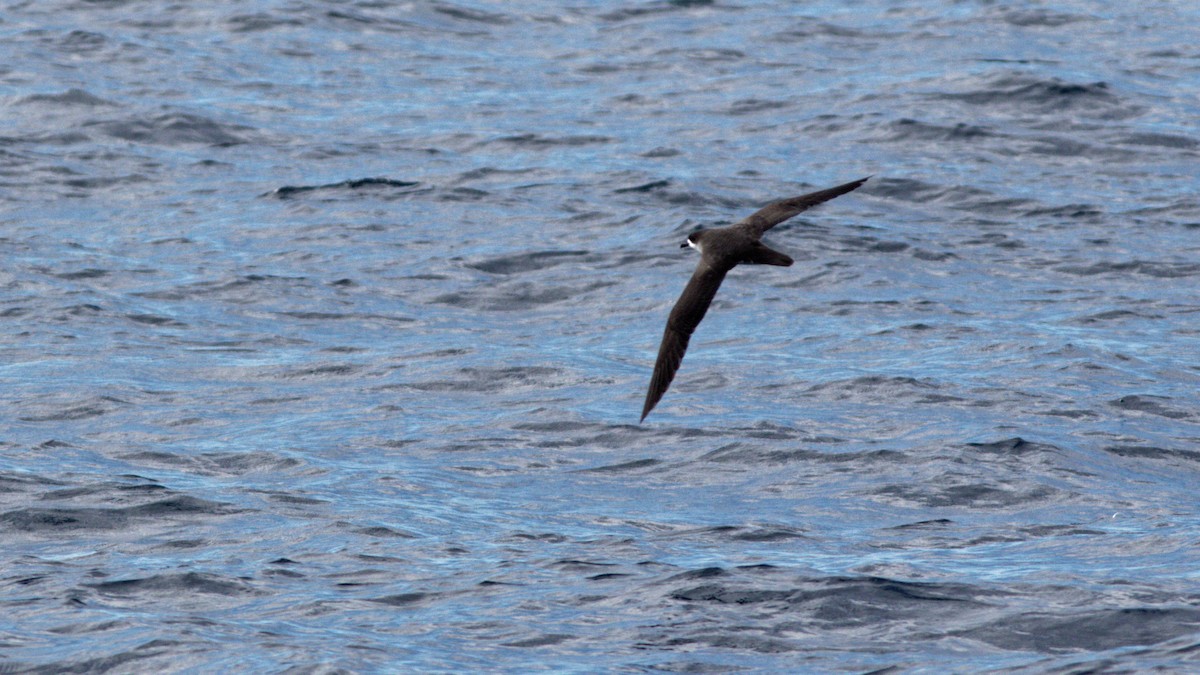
x: 327, y: 325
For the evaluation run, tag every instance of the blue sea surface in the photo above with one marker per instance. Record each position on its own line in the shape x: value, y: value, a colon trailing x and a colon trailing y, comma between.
x: 327, y: 327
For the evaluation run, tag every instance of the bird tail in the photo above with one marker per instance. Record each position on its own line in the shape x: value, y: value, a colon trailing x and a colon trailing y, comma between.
x: 762, y: 255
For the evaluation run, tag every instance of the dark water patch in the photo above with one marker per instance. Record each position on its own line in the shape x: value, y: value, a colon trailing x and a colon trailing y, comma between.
x: 527, y: 262
x: 89, y: 518
x: 215, y: 463
x: 1159, y: 140
x: 740, y: 453
x: 1152, y: 452
x: 1059, y: 531
x: 547, y: 537
x: 61, y: 138
x: 1018, y: 535
x: 86, y: 309
x: 89, y: 273
x: 607, y: 576
x: 105, y: 181
x: 339, y: 316
x: 71, y: 97
x: 471, y: 14
x: 754, y: 105
x: 653, y: 8
x: 463, y: 194
x: 261, y: 21
x: 519, y: 296
x: 318, y: 371
x: 953, y: 490
x: 1015, y: 446
x: 1070, y: 413
x: 540, y: 142
x: 1040, y: 18
x: 1150, y: 268
x: 774, y: 431
x: 296, y: 500
x: 382, y: 532
x: 905, y: 130
x: 175, y: 129
x: 318, y: 316
x: 16, y: 483
x: 57, y: 520
x: 872, y: 244
x: 661, y: 153
x: 874, y: 387
x: 1043, y: 95
x: 714, y: 55
x: 187, y: 583
x: 289, y: 191
x: 843, y: 600
x: 1096, y: 630
x: 935, y: 524
x: 559, y: 426
x: 1153, y: 405
x: 487, y: 471
x: 700, y: 573
x: 545, y: 640
x: 82, y: 42
x: 1064, y: 146
x: 492, y: 173
x: 65, y: 412
x: 752, y: 454
x: 107, y: 489
x: 1066, y: 211
x: 178, y: 505
x: 155, y: 655
x: 765, y: 533
x: 1117, y: 315
x: 606, y: 436
x: 1168, y: 656
x: 721, y: 595
x: 581, y: 566
x: 155, y: 320
x: 697, y: 200
x: 912, y: 190
x: 811, y: 29
x: 644, y: 187
x: 236, y: 289
x: 491, y: 380
x: 625, y: 467
x: 818, y: 613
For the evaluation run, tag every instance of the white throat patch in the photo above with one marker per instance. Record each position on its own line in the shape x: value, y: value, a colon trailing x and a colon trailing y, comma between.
x: 694, y: 245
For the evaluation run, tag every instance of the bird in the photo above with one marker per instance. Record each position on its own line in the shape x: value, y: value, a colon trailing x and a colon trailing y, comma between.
x: 721, y: 249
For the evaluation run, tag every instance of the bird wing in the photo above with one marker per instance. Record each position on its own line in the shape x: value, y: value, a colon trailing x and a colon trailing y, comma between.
x: 689, y: 310
x: 776, y: 212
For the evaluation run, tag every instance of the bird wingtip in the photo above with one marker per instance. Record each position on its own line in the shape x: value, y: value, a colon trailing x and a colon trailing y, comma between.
x: 646, y: 411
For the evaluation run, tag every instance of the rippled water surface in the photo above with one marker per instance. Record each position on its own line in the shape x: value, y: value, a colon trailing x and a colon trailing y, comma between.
x: 327, y: 327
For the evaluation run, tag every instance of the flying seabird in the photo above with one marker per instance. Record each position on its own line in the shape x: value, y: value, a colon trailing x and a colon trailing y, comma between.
x: 721, y: 249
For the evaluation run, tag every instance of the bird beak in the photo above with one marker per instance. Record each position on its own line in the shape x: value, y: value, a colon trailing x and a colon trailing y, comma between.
x: 684, y: 244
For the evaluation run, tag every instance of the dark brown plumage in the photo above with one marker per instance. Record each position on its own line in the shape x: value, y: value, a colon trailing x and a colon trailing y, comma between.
x: 722, y: 249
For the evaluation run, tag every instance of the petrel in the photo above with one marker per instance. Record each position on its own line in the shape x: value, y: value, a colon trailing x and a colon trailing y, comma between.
x: 721, y: 249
